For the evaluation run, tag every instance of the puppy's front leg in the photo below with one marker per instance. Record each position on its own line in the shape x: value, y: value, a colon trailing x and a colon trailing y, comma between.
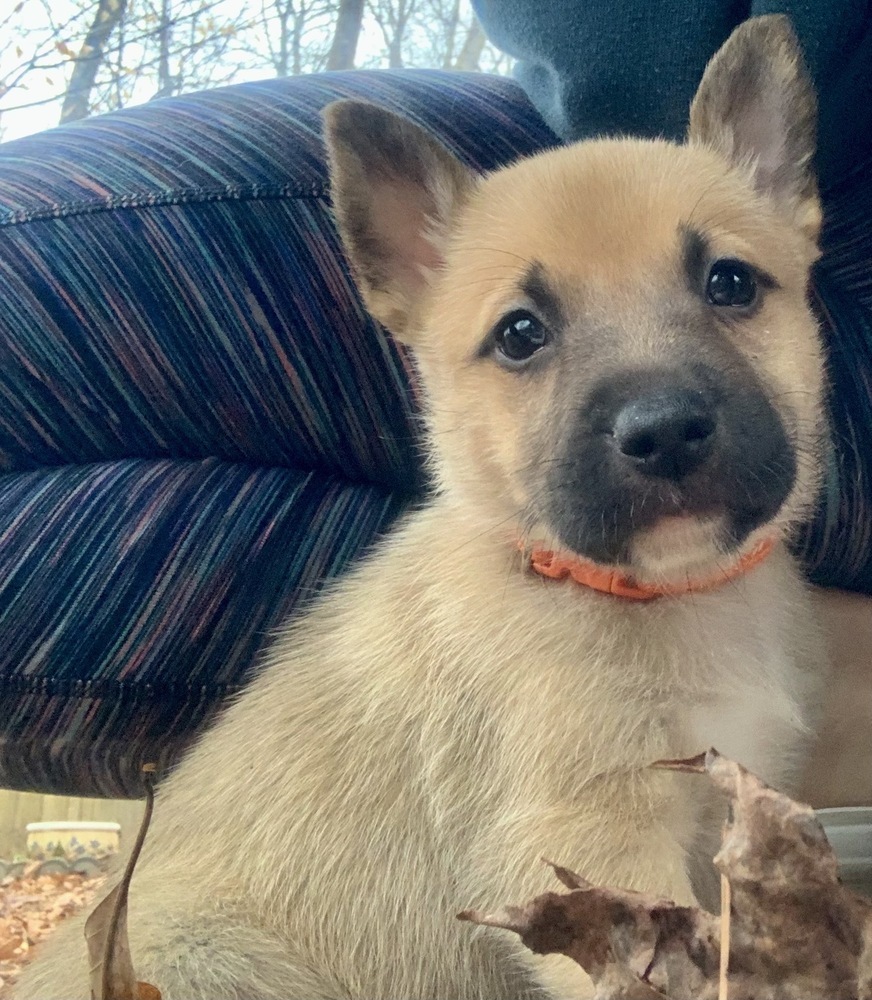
x: 630, y: 831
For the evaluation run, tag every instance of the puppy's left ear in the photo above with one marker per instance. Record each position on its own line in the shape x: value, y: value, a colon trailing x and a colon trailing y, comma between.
x: 395, y: 190
x: 756, y: 105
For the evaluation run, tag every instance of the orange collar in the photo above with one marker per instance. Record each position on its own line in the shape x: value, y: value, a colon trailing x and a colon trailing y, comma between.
x: 608, y: 580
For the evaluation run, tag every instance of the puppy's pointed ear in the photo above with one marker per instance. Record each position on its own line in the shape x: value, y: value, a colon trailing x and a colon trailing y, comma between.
x: 756, y: 105
x: 395, y: 190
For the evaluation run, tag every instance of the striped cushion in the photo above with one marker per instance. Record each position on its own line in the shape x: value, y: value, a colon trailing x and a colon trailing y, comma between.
x: 140, y: 589
x: 198, y: 422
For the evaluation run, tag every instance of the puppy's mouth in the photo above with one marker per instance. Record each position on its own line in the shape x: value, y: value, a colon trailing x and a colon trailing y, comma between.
x: 682, y: 546
x: 674, y: 554
x: 667, y: 473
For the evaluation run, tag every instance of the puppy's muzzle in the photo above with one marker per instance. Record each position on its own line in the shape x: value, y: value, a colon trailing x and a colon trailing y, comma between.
x: 655, y: 442
x: 666, y: 434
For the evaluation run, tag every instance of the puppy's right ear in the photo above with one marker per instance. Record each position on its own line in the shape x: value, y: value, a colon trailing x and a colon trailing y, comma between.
x: 756, y: 106
x: 395, y: 190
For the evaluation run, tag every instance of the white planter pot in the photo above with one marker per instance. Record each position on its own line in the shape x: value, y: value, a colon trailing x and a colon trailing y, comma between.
x: 72, y: 839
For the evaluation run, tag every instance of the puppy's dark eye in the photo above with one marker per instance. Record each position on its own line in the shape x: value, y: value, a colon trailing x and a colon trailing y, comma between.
x: 519, y: 336
x: 731, y: 283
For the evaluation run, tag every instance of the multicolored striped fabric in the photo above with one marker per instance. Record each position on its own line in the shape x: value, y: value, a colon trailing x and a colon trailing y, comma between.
x: 199, y: 424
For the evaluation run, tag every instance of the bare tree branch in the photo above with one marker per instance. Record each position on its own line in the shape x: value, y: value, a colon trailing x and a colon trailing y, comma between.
x: 33, y: 62
x: 393, y: 17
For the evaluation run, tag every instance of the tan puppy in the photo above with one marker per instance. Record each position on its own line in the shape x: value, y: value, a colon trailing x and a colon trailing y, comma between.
x: 620, y: 365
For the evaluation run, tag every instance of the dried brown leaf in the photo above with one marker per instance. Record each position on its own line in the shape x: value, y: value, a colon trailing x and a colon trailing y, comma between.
x: 795, y: 932
x: 630, y: 945
x: 112, y: 975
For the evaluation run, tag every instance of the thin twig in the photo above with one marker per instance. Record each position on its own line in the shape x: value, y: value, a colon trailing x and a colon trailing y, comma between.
x: 148, y: 771
x: 723, y: 982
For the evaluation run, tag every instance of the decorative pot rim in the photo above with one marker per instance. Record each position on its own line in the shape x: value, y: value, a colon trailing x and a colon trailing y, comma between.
x: 72, y: 824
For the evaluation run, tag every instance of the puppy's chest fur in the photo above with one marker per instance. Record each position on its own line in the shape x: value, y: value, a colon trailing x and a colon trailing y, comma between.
x: 585, y: 691
x: 542, y: 688
x: 755, y: 722
x: 736, y: 668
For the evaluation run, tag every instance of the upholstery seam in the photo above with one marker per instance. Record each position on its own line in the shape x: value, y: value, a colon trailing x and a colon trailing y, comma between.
x: 100, y: 687
x: 157, y: 199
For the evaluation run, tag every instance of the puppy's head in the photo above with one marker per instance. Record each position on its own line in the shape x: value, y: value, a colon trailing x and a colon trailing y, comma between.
x: 614, y: 337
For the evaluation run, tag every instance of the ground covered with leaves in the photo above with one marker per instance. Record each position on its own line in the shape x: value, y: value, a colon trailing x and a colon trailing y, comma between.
x: 31, y: 906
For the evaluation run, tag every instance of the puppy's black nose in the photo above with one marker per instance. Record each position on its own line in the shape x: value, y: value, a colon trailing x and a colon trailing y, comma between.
x: 666, y: 434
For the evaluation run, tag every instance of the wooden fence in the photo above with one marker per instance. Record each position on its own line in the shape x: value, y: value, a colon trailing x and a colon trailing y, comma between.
x: 17, y: 809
